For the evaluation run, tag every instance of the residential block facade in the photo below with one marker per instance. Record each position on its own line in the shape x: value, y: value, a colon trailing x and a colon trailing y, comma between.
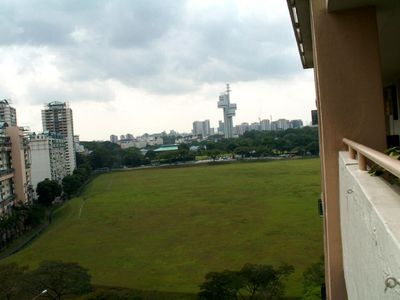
x: 57, y: 118
x: 48, y: 157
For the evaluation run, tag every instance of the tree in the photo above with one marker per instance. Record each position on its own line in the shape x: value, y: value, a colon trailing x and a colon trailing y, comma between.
x: 253, y: 281
x: 221, y: 286
x: 11, y: 278
x: 313, y: 279
x: 265, y: 280
x: 213, y: 153
x: 47, y: 191
x: 71, y: 184
x: 60, y: 279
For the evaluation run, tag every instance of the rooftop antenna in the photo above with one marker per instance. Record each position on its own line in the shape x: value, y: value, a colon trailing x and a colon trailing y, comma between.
x: 228, y: 90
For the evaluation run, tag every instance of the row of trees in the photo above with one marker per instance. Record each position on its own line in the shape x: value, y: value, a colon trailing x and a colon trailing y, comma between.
x: 20, y: 219
x: 51, y: 279
x: 303, y: 141
x: 24, y: 217
x: 256, y: 281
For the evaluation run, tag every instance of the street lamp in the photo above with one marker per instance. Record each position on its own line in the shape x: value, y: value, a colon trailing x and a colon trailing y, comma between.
x: 42, y: 293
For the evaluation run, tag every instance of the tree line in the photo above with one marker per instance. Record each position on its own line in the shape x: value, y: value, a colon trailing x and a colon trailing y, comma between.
x: 24, y: 217
x: 303, y: 141
x: 65, y: 280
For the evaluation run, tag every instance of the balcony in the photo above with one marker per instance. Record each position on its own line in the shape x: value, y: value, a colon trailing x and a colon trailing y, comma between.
x: 6, y: 171
x: 370, y: 225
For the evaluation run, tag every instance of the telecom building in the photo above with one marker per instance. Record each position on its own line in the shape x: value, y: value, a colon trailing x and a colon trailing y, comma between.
x: 57, y: 118
x: 229, y: 110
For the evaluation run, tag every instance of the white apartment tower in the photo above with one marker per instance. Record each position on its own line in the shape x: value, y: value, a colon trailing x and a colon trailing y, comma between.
x: 57, y: 118
x: 48, y: 157
x: 229, y: 111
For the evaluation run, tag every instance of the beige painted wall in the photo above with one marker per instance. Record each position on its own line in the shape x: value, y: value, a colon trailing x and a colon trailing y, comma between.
x: 350, y: 104
x: 18, y: 163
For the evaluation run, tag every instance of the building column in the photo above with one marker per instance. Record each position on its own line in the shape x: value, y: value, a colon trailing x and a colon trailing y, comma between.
x: 350, y: 104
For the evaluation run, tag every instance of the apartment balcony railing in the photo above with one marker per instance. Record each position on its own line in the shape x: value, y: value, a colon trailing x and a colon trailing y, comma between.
x: 9, y: 198
x: 6, y: 171
x: 370, y: 224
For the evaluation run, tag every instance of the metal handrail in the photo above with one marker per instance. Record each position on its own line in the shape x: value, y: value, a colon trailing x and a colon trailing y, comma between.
x: 385, y: 161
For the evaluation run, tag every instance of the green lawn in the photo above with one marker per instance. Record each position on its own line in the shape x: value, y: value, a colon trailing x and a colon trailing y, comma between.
x: 164, y: 229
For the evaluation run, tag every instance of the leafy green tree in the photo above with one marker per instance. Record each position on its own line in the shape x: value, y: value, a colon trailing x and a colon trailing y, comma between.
x: 253, y: 281
x: 71, y: 184
x: 213, y: 153
x: 132, y: 157
x: 11, y: 279
x: 60, y: 279
x: 265, y: 280
x: 150, y: 154
x: 221, y: 286
x: 313, y: 279
x: 47, y: 191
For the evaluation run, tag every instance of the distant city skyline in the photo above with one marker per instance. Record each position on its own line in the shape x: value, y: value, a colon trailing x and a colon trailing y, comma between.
x: 158, y: 66
x: 204, y: 128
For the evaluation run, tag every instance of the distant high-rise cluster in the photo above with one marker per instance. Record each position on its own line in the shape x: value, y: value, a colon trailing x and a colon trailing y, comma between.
x: 265, y: 125
x: 204, y: 130
x: 129, y: 141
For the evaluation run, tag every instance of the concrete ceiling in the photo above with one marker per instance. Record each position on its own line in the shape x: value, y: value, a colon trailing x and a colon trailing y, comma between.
x: 388, y: 18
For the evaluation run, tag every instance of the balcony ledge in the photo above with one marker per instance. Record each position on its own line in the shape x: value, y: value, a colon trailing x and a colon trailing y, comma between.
x: 370, y: 225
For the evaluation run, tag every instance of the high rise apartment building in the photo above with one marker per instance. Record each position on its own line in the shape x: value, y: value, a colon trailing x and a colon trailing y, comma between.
x: 202, y: 128
x: 8, y: 114
x: 48, y: 157
x: 15, y: 173
x: 21, y: 164
x: 296, y: 123
x: 265, y: 125
x: 113, y: 138
x: 57, y: 118
x: 7, y: 195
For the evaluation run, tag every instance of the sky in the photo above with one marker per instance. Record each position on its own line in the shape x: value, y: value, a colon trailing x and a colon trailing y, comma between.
x: 148, y: 66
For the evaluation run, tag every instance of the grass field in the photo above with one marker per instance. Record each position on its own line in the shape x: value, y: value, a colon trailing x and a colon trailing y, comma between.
x: 164, y: 229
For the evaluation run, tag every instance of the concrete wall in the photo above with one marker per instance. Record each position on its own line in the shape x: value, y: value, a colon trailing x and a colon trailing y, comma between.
x: 40, y: 156
x: 350, y: 104
x: 370, y: 223
x: 18, y: 163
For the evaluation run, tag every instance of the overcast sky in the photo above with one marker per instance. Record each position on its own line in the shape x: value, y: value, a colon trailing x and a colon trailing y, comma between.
x: 139, y: 66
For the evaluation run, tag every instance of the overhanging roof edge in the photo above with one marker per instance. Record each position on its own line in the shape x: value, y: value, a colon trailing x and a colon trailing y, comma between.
x: 299, y: 11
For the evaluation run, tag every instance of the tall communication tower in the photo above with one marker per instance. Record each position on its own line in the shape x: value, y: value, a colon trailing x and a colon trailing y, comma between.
x: 229, y: 110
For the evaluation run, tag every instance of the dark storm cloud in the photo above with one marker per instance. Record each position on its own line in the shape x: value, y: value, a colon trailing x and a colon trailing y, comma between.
x: 157, y: 45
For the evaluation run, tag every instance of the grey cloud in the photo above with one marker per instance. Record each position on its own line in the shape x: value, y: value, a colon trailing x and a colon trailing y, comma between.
x: 156, y: 45
x: 72, y: 91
